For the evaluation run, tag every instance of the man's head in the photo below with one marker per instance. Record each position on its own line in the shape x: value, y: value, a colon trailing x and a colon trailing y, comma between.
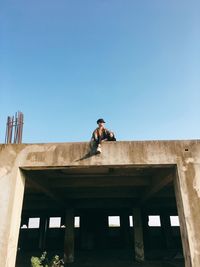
x: 101, y: 122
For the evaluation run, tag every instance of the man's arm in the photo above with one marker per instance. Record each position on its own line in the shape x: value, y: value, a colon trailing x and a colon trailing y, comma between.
x: 110, y: 136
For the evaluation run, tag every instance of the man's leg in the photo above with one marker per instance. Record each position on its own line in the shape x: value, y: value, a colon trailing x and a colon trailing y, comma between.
x: 95, y: 147
x: 98, y: 151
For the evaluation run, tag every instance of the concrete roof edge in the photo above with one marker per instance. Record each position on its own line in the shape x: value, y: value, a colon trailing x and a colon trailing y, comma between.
x: 120, y: 141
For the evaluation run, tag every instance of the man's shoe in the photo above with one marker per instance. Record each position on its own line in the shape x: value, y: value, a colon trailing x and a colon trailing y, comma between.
x: 99, y: 149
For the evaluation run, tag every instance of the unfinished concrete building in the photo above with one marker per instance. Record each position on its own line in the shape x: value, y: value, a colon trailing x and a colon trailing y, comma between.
x: 54, y: 185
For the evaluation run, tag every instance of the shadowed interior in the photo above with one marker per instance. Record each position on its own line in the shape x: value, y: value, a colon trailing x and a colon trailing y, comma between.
x: 94, y: 194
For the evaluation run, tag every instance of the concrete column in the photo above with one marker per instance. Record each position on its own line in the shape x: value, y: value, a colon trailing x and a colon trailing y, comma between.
x: 69, y: 236
x: 145, y: 227
x: 187, y: 191
x: 125, y: 229
x: 83, y: 231
x: 100, y: 227
x: 138, y: 235
x: 87, y: 232
x: 11, y: 198
x: 167, y: 230
x: 43, y: 232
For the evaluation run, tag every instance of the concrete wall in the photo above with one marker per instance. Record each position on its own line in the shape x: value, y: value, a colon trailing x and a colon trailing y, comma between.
x: 184, y: 154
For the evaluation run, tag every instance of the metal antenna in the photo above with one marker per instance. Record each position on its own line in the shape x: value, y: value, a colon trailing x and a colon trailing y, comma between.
x: 14, y: 128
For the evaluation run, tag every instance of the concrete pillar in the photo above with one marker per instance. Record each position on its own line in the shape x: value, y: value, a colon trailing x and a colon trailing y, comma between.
x: 43, y: 232
x: 187, y: 191
x: 145, y: 227
x: 167, y: 230
x: 125, y: 229
x: 11, y: 198
x: 69, y: 236
x: 83, y: 231
x: 100, y: 230
x: 87, y: 233
x: 138, y: 235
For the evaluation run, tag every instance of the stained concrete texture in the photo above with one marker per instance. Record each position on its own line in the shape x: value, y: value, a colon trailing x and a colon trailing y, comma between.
x: 183, y: 155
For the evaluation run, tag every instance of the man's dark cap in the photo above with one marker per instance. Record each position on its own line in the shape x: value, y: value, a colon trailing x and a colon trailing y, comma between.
x: 100, y: 121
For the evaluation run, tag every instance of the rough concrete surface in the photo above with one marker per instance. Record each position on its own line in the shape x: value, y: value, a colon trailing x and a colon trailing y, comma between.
x: 184, y: 155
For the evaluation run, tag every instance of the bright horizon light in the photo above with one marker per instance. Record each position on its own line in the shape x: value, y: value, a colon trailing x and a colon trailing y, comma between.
x: 113, y: 221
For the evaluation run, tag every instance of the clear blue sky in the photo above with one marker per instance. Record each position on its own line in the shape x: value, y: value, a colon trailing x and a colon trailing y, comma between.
x: 65, y: 63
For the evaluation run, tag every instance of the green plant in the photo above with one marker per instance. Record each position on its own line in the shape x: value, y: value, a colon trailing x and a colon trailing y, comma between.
x: 57, y: 262
x: 43, y: 261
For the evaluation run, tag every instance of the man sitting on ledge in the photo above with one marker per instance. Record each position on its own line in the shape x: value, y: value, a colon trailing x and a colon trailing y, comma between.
x: 100, y: 135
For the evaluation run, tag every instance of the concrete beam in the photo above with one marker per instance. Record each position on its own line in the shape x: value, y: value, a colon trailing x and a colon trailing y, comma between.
x: 102, y: 181
x: 41, y: 186
x: 158, y: 184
